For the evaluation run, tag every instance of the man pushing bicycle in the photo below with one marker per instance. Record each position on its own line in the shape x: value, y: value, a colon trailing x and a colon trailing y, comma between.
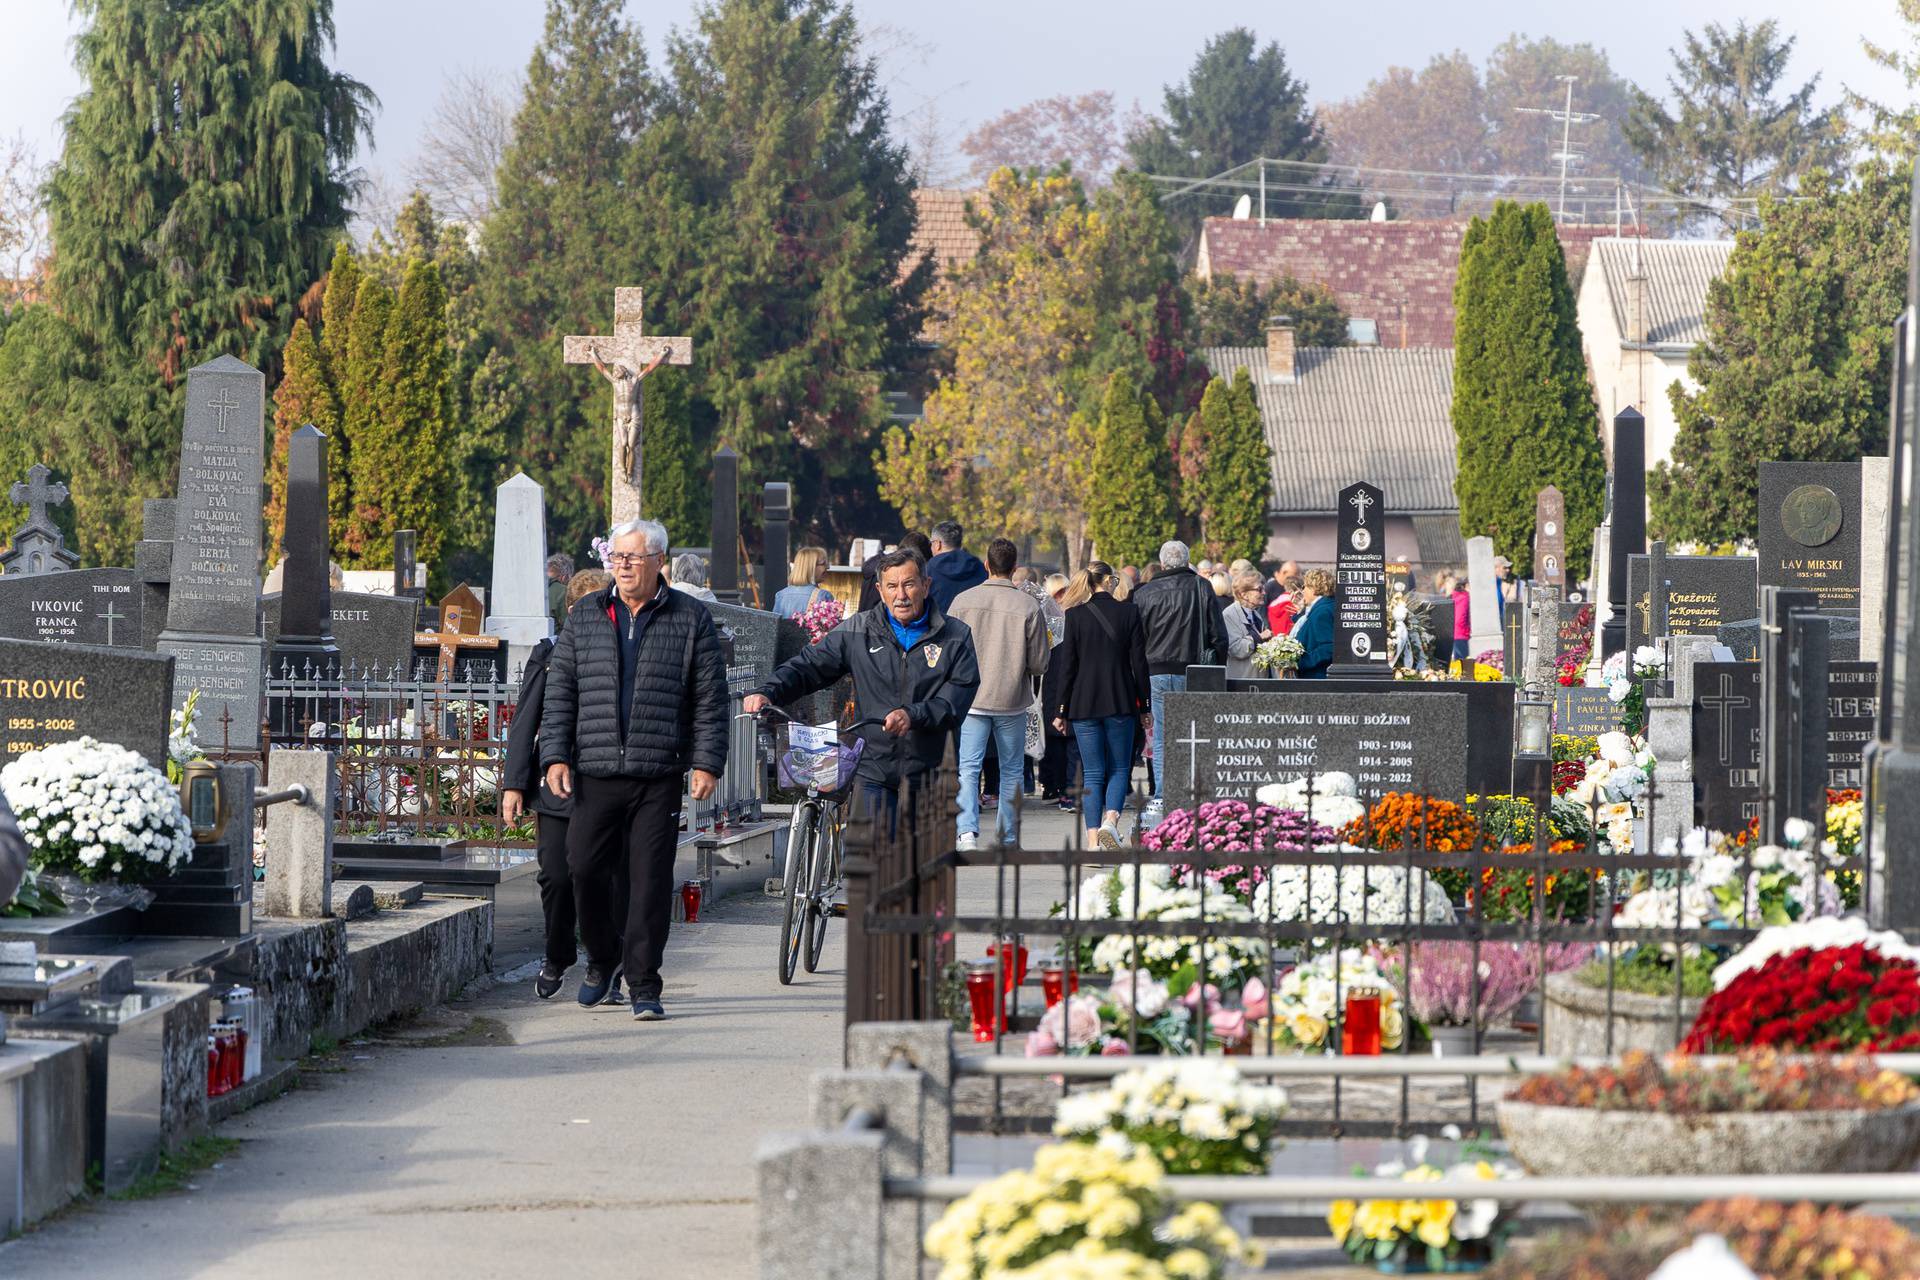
x: 914, y: 677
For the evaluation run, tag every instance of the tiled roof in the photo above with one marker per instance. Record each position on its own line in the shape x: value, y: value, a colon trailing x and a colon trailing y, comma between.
x: 1355, y: 413
x: 1398, y: 274
x: 941, y: 230
x: 1676, y: 274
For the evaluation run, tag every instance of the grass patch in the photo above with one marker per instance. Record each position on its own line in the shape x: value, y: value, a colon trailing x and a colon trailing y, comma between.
x: 319, y: 1046
x: 180, y: 1167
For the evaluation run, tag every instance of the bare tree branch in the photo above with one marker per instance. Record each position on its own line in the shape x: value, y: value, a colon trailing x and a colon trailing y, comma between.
x: 464, y: 141
x: 23, y: 221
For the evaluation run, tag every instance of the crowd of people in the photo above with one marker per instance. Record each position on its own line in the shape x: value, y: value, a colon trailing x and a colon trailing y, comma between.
x: 1023, y: 676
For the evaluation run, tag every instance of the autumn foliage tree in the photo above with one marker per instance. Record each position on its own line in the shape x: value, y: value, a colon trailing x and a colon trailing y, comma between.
x: 1084, y: 132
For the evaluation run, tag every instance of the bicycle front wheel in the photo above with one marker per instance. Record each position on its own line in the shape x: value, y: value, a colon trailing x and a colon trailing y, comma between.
x: 819, y: 897
x: 799, y: 881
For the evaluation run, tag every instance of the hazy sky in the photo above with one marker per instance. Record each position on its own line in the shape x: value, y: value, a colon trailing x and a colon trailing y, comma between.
x: 977, y: 58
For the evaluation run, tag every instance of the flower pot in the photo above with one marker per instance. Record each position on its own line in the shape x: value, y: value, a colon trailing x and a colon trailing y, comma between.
x: 1451, y: 1042
x: 1410, y: 1259
x: 1577, y: 1018
x: 1566, y: 1142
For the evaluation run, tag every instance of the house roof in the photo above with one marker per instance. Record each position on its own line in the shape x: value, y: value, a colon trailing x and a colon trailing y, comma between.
x: 1676, y: 275
x: 941, y: 230
x: 1355, y: 413
x: 1398, y: 274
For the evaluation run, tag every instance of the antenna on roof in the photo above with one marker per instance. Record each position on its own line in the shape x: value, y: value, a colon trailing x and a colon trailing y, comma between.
x: 1243, y: 208
x: 1567, y: 117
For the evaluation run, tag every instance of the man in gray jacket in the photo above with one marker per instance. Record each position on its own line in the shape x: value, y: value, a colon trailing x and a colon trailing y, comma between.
x: 1010, y: 644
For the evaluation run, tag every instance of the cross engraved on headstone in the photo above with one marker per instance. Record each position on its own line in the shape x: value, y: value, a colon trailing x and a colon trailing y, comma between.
x: 1193, y: 742
x: 224, y: 406
x: 625, y: 359
x: 1360, y: 501
x: 1724, y: 704
x: 110, y: 617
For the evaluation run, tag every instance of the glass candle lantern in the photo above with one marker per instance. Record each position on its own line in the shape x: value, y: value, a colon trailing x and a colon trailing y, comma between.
x: 982, y: 995
x: 1360, y: 1029
x: 1056, y: 981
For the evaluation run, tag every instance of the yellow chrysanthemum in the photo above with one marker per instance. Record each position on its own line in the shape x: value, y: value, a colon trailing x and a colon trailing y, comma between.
x: 1340, y: 1218
x: 1436, y: 1223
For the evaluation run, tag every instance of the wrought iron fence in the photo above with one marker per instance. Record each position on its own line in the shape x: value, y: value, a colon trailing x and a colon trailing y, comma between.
x: 1418, y: 893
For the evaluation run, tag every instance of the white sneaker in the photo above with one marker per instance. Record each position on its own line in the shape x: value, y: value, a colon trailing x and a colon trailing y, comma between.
x: 966, y: 842
x: 1107, y: 837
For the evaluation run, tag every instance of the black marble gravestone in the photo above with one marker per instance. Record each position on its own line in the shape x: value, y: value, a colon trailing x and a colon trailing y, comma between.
x: 1550, y: 538
x: 305, y: 642
x: 1627, y: 531
x: 1704, y: 594
x: 80, y: 606
x: 58, y: 692
x: 1360, y: 570
x: 1585, y: 712
x: 1228, y: 745
x: 1727, y: 736
x: 1810, y: 531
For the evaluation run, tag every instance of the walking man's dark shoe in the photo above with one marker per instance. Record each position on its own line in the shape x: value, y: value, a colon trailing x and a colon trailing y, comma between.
x: 647, y: 1009
x: 546, y: 983
x: 614, y: 995
x: 594, y: 986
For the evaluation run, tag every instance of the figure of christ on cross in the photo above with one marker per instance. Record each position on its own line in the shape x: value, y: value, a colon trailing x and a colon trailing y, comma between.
x: 625, y: 359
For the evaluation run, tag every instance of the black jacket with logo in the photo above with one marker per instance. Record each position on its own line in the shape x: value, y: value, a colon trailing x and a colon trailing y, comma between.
x: 1182, y: 618
x: 935, y: 681
x: 678, y: 718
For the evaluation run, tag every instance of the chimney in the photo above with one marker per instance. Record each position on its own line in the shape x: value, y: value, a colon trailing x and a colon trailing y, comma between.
x: 1280, y: 350
x: 1636, y: 299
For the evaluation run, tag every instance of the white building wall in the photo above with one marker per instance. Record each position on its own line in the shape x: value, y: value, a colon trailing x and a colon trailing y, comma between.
x: 1623, y: 377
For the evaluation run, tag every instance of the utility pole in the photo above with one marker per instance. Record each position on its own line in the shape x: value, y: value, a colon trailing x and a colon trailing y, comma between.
x: 1567, y: 118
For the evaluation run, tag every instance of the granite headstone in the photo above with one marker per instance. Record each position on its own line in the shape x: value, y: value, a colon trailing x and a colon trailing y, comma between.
x: 58, y: 692
x: 1810, y: 531
x: 1229, y: 745
x: 1483, y: 597
x: 1360, y: 570
x: 1550, y: 538
x: 1704, y: 593
x: 80, y: 606
x: 1727, y: 736
x: 213, y: 601
x: 1585, y: 712
x: 37, y: 546
x: 519, y: 597
x: 374, y: 634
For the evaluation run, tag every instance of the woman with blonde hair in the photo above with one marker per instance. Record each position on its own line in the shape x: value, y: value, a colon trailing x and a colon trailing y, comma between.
x: 1102, y: 690
x: 1245, y: 622
x: 1313, y: 624
x: 803, y: 589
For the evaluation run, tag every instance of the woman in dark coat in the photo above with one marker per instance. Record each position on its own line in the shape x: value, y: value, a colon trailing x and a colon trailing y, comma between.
x: 525, y: 787
x: 1102, y: 691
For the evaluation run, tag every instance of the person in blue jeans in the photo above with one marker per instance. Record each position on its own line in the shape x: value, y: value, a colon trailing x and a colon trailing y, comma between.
x: 1011, y: 647
x: 1181, y: 617
x: 1103, y: 686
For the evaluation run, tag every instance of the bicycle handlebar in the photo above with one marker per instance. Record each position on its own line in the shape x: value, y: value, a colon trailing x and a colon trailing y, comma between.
x: 771, y: 710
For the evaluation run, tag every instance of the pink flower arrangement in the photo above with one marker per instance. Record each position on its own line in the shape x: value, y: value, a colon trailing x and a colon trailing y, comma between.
x: 1074, y: 1022
x: 820, y: 618
x: 1440, y: 989
x: 1234, y: 826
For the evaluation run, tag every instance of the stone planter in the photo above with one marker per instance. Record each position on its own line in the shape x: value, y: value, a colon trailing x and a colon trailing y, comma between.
x: 1573, y: 1142
x: 1451, y: 1042
x: 1576, y: 1016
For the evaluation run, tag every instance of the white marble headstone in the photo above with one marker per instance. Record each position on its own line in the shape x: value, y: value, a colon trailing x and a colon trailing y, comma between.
x: 517, y: 604
x: 1875, y: 483
x: 1483, y: 595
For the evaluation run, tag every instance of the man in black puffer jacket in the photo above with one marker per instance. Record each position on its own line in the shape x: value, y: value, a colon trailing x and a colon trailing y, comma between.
x: 1182, y: 621
x: 913, y: 669
x: 636, y: 699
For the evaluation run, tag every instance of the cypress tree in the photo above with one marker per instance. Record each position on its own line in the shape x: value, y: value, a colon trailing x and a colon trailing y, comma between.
x: 1523, y: 409
x: 670, y: 486
x: 336, y: 309
x: 1129, y: 505
x: 403, y: 468
x: 1237, y: 479
x: 359, y: 387
x: 304, y: 396
x: 203, y: 182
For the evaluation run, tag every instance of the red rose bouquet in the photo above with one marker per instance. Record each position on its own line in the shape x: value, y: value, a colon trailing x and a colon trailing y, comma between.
x: 1859, y: 991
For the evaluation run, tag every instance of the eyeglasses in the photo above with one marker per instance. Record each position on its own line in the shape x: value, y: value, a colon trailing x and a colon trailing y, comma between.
x: 630, y: 559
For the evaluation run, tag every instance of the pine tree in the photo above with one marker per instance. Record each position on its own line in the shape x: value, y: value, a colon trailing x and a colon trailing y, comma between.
x: 304, y: 396
x: 1797, y: 363
x: 359, y: 386
x: 403, y: 468
x: 1239, y: 478
x: 202, y: 185
x: 336, y: 308
x: 1523, y: 409
x: 1129, y: 504
x: 671, y: 488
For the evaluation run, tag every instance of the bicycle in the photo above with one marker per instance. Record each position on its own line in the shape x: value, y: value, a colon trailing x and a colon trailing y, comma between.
x: 825, y: 766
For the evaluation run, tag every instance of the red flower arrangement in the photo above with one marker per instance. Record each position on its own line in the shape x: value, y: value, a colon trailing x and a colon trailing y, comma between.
x: 1567, y: 775
x: 1825, y: 1000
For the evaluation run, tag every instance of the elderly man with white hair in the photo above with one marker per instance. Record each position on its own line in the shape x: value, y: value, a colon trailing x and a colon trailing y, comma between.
x: 1182, y: 622
x: 636, y: 703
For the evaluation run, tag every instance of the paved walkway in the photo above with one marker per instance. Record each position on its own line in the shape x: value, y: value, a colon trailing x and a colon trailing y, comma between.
x: 502, y: 1136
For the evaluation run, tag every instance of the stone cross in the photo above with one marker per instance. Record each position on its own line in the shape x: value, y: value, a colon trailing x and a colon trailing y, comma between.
x: 625, y: 359
x: 38, y: 545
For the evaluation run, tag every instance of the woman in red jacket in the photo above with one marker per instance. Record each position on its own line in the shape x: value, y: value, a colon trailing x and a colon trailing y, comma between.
x: 1280, y: 613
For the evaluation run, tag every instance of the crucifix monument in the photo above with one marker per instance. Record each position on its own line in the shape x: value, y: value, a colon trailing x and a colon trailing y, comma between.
x: 38, y: 546
x: 625, y: 359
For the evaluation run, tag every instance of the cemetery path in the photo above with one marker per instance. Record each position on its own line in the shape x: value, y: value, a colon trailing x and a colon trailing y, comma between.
x: 502, y: 1135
